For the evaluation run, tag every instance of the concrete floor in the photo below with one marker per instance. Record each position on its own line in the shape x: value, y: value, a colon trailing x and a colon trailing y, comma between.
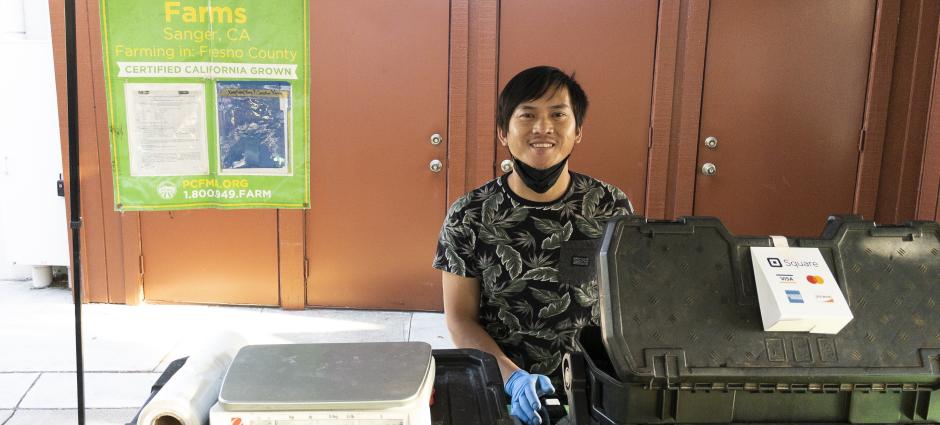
x: 126, y: 348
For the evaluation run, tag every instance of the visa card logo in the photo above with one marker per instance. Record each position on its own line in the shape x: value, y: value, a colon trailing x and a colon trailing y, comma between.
x: 786, y: 278
x: 794, y: 296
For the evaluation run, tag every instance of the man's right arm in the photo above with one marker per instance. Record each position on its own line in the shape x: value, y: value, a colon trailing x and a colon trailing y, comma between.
x: 461, y: 312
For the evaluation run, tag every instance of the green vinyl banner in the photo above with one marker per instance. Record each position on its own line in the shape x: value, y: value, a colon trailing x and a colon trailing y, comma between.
x: 207, y: 103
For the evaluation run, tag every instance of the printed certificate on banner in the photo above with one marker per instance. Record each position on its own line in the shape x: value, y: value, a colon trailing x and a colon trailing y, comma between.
x: 208, y: 103
x: 166, y: 129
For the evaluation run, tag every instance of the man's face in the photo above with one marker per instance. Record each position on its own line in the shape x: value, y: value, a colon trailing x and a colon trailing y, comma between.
x: 542, y: 132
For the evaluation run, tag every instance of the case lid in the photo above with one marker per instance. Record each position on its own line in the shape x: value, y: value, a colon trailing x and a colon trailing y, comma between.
x: 355, y: 376
x: 678, y: 302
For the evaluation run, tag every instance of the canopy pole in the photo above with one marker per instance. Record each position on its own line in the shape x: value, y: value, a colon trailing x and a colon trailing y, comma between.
x: 75, y: 221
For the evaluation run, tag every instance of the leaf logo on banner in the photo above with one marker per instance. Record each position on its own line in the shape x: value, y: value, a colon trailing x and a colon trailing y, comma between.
x: 555, y: 308
x: 510, y: 258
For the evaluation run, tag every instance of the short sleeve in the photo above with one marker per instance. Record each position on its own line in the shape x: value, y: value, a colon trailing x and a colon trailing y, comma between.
x: 625, y: 205
x: 622, y: 204
x: 456, y: 243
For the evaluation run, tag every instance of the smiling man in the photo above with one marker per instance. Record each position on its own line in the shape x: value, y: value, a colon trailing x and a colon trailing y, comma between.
x: 500, y: 244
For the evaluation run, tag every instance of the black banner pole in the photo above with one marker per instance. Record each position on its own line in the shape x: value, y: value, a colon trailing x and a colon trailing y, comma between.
x: 75, y: 221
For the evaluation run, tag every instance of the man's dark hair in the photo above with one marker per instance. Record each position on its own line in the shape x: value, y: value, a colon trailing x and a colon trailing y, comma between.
x: 533, y: 83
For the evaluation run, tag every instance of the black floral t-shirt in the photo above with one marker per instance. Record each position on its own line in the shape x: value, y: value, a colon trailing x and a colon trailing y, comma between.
x: 513, y: 247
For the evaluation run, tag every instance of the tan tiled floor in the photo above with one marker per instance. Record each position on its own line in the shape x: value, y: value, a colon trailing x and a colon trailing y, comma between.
x: 125, y: 348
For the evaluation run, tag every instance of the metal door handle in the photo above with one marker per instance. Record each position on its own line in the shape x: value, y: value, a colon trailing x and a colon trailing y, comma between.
x: 709, y: 169
x: 436, y: 166
x: 711, y: 142
x: 506, y: 165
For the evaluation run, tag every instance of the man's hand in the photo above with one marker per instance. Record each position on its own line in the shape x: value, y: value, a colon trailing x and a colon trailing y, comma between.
x: 461, y: 311
x: 525, y: 389
x: 462, y: 314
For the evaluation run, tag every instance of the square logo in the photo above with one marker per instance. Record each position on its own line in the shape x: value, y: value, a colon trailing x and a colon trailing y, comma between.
x: 774, y: 262
x: 794, y: 296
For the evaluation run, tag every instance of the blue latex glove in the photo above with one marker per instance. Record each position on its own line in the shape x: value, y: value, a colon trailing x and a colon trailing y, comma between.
x: 525, y: 389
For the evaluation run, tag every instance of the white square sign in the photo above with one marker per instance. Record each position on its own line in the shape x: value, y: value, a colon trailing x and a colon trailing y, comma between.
x: 797, y: 291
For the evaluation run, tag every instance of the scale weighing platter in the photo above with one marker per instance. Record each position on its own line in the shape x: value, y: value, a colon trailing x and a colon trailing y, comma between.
x: 360, y: 377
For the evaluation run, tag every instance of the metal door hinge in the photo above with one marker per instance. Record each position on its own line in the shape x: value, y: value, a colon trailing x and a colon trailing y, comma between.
x: 649, y: 137
x: 306, y: 268
x: 861, y: 140
x: 140, y: 263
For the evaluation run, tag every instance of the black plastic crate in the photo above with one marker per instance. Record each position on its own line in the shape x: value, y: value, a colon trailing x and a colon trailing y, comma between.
x: 597, y: 396
x: 682, y: 341
x: 468, y: 389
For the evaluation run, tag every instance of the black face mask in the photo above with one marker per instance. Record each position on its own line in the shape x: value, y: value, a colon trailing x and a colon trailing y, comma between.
x: 539, y: 180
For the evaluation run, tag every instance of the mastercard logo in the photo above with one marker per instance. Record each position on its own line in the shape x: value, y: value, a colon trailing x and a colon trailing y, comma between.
x: 815, y: 280
x: 236, y: 421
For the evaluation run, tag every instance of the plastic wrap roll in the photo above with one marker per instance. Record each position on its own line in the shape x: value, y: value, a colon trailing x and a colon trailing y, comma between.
x: 190, y: 393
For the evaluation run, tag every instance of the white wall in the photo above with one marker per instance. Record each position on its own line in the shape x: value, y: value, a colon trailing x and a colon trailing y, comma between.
x: 8, y: 270
x: 12, y: 27
x: 36, y: 19
x: 12, y: 19
x: 33, y: 227
x: 24, y: 20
